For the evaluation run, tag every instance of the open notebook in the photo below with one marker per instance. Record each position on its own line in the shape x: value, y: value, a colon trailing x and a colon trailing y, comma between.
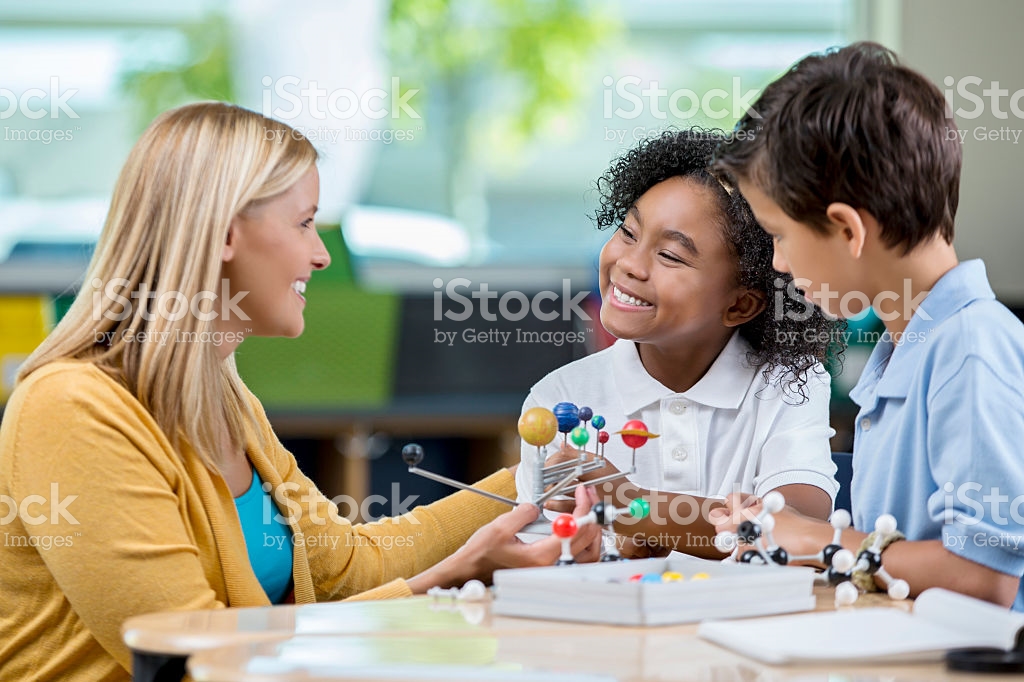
x: 941, y: 620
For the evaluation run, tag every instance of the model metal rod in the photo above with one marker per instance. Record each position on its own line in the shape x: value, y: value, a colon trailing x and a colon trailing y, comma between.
x: 559, y: 487
x: 461, y: 486
x: 605, y: 479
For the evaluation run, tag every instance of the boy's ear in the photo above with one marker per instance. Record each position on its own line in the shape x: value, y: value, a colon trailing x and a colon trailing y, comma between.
x: 746, y: 307
x: 850, y: 224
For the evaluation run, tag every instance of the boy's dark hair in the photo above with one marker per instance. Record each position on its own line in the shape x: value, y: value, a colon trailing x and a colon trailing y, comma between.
x: 853, y: 125
x: 790, y: 334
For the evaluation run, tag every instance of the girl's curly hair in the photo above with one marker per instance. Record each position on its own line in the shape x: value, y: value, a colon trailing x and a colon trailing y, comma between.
x: 790, y: 336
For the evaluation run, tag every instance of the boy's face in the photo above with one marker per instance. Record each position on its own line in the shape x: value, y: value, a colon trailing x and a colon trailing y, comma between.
x: 667, y: 275
x: 821, y: 265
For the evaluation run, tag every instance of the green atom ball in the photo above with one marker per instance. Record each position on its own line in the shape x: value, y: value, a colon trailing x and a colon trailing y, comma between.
x: 640, y: 508
x: 579, y: 436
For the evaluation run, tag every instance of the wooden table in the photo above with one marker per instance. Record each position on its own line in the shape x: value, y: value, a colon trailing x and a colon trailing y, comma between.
x: 161, y: 642
x: 420, y: 635
x: 582, y: 654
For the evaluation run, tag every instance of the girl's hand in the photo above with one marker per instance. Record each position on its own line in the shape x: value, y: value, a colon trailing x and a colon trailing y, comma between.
x: 567, y: 453
x: 794, y: 532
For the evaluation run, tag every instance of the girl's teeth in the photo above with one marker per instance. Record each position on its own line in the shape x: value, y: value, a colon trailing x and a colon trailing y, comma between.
x: 624, y: 298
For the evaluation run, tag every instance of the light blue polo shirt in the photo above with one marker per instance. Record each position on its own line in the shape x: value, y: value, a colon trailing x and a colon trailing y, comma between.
x: 939, y: 440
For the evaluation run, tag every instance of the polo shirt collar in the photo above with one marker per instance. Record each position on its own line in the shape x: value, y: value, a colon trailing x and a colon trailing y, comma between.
x: 723, y: 386
x: 894, y: 366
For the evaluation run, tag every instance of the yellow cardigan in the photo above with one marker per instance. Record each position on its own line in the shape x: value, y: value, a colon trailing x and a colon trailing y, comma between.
x: 124, y: 525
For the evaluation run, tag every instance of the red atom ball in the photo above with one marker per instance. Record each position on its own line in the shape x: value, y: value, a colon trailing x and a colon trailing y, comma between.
x: 602, y: 436
x: 564, y: 526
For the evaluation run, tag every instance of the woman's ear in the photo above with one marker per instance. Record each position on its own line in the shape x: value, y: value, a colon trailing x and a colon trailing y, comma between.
x: 231, y: 243
x: 746, y: 307
x: 850, y: 225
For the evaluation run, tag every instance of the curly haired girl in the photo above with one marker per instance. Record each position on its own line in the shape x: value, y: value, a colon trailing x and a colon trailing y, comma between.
x: 717, y: 351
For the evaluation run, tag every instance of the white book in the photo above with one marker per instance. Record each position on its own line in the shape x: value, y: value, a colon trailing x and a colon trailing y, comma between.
x: 602, y: 593
x: 941, y: 620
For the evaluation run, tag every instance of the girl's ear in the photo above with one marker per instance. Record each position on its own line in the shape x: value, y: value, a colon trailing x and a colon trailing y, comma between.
x: 851, y: 226
x: 231, y: 243
x: 746, y: 307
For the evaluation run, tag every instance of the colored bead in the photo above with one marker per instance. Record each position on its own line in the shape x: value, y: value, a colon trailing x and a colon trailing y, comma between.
x: 568, y: 416
x: 636, y: 578
x: 564, y: 526
x: 700, y: 576
x: 412, y: 454
x: 651, y: 578
x: 602, y: 437
x: 579, y: 436
x: 640, y: 508
x: 598, y: 422
x: 538, y: 426
x: 671, y: 577
x: 586, y: 414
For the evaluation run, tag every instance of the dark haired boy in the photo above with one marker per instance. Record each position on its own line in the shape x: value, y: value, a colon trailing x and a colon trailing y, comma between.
x: 854, y: 168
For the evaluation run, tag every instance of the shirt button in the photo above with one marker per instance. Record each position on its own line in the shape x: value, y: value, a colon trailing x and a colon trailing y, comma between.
x: 677, y: 407
x: 679, y: 454
x: 865, y: 424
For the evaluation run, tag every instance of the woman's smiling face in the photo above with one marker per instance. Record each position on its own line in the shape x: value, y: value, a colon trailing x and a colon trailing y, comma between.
x: 271, y: 252
x: 667, y: 275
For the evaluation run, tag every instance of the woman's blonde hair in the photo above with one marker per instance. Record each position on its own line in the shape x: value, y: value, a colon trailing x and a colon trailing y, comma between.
x: 193, y: 170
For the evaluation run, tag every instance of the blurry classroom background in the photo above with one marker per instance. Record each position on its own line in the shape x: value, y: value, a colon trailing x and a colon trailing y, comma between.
x: 460, y: 141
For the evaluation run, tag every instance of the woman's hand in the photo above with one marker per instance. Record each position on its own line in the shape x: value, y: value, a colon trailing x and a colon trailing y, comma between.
x: 495, y: 546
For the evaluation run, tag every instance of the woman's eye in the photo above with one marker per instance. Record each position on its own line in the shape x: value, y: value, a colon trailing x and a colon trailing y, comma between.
x: 308, y: 222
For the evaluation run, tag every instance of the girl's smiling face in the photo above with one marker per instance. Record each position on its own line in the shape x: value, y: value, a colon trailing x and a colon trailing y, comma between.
x: 667, y: 276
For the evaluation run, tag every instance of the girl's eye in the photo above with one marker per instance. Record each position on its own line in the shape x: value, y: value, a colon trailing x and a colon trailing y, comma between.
x: 626, y: 232
x: 669, y: 256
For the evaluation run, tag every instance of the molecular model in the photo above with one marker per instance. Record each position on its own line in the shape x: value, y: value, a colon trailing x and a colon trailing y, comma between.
x: 539, y: 426
x: 761, y: 548
x: 566, y: 526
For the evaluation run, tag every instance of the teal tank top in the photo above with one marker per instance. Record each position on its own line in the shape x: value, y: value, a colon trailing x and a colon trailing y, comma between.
x: 268, y: 541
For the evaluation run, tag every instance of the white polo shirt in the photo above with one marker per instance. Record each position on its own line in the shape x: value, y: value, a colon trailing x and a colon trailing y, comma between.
x: 732, y: 431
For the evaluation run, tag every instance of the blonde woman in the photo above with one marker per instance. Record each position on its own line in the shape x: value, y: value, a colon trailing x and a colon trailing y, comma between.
x: 130, y: 443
